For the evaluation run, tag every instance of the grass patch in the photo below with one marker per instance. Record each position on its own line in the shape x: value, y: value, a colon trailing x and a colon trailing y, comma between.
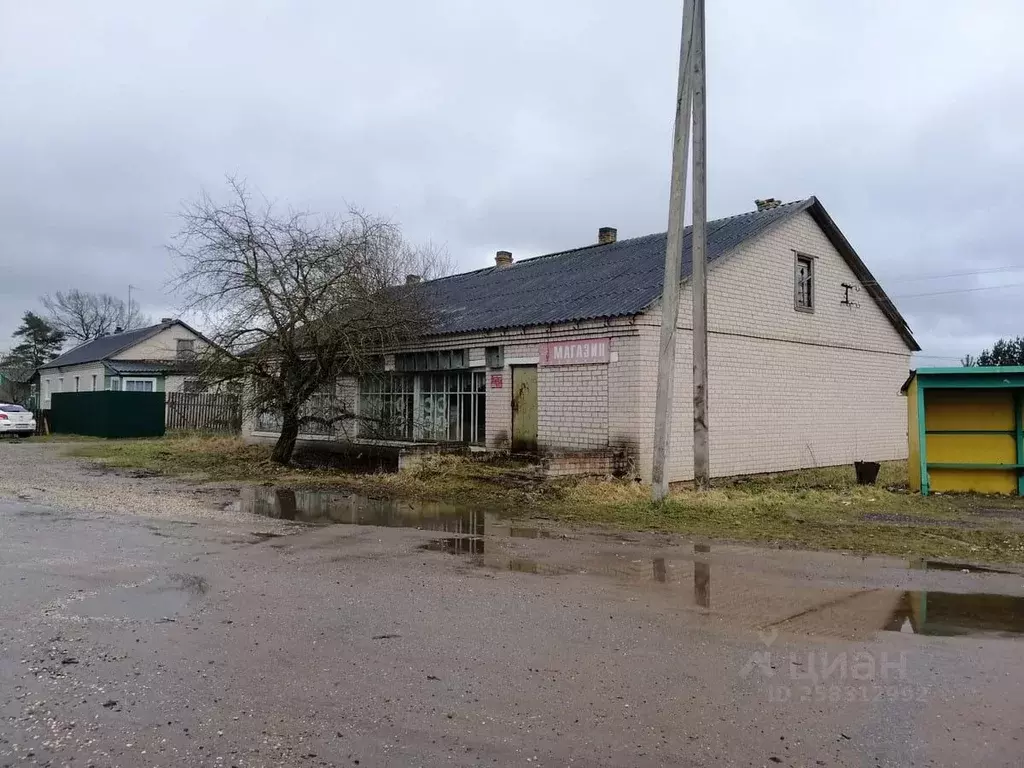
x: 785, y: 512
x: 819, y: 508
x: 218, y: 458
x: 55, y: 438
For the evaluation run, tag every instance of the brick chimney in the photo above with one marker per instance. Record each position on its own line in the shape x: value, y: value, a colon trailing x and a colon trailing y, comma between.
x: 503, y: 259
x: 166, y: 320
x: 606, y: 235
x: 768, y: 204
x: 412, y: 279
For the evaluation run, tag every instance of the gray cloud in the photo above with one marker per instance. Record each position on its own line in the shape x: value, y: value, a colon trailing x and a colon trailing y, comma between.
x: 522, y: 126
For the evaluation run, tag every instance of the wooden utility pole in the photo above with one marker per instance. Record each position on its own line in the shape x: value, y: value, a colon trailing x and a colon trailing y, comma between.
x: 701, y: 449
x: 673, y: 257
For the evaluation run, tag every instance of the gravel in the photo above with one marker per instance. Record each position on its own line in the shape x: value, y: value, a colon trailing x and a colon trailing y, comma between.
x: 41, y: 473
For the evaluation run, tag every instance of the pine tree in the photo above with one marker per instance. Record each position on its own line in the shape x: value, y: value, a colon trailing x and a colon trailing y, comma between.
x: 40, y: 341
x: 1003, y: 352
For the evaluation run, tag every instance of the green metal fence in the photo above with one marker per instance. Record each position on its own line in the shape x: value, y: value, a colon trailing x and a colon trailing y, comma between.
x: 108, y: 414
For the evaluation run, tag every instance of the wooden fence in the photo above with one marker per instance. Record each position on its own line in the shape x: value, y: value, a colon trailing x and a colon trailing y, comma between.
x: 209, y: 413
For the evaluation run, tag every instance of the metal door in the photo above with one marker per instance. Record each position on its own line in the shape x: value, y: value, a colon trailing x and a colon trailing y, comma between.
x: 524, y: 409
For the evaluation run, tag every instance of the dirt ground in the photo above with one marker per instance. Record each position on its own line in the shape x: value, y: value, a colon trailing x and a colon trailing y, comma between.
x: 147, y: 621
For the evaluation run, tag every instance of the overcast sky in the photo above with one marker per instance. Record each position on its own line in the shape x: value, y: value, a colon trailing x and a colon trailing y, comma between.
x: 523, y: 126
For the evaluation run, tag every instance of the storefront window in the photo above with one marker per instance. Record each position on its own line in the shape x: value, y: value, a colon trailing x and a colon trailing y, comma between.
x: 433, y: 407
x: 451, y: 406
x: 386, y: 407
x: 323, y: 415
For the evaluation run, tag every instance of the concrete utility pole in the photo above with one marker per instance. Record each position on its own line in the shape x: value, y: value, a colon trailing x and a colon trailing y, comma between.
x: 701, y: 448
x: 673, y: 257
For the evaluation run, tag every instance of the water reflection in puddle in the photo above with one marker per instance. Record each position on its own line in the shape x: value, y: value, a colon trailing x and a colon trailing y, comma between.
x: 952, y: 613
x: 456, y: 545
x: 916, y: 612
x: 478, y: 536
x: 321, y: 508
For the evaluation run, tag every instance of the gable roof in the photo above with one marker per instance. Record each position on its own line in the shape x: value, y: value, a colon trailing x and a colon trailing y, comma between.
x: 617, y: 279
x: 107, y: 346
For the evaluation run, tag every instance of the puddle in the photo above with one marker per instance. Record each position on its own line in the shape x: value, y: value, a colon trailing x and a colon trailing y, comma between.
x: 941, y: 565
x: 131, y: 604
x: 755, y: 597
x: 952, y: 614
x: 825, y: 611
x: 145, y: 602
x: 469, y: 545
x: 321, y: 508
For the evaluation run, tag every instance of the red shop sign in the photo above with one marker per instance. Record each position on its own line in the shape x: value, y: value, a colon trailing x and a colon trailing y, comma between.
x: 575, y: 352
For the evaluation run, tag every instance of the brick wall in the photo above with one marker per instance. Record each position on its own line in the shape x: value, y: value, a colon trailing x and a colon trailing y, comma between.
x: 572, y: 407
x: 631, y: 396
x: 607, y: 461
x: 787, y: 389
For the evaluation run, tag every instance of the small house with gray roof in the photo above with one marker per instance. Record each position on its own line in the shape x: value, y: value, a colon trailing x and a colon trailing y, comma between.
x: 557, y: 355
x: 157, y: 358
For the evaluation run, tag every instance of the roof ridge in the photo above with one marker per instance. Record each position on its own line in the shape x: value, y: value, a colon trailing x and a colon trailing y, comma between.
x: 577, y: 249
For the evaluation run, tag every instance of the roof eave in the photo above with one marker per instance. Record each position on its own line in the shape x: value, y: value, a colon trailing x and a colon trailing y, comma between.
x: 859, y: 268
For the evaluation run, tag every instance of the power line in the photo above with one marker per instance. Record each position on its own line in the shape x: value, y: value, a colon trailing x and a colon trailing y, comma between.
x: 923, y: 278
x: 959, y: 290
x: 968, y: 273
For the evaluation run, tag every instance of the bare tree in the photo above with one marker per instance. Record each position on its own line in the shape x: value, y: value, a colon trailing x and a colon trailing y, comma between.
x: 294, y: 300
x: 85, y: 316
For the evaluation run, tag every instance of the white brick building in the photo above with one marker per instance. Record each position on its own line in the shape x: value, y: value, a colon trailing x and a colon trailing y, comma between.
x: 558, y: 354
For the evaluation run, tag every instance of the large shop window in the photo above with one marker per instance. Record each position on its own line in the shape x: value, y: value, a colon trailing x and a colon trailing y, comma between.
x: 452, y: 406
x: 386, y: 407
x: 441, y: 407
x: 323, y: 415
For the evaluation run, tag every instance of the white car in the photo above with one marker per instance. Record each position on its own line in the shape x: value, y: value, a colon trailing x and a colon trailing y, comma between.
x: 16, y: 420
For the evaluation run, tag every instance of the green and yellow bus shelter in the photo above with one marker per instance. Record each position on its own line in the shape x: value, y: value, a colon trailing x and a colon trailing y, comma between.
x: 965, y: 429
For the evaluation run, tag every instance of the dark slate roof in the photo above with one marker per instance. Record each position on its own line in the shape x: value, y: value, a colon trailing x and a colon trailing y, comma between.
x: 129, y: 367
x: 612, y: 280
x: 108, y: 346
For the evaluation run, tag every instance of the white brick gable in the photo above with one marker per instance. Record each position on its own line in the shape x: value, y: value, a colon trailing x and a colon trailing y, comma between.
x: 787, y: 389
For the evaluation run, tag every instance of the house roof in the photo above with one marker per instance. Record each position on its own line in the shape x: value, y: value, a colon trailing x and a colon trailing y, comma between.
x: 614, y: 280
x: 972, y: 376
x: 108, y: 346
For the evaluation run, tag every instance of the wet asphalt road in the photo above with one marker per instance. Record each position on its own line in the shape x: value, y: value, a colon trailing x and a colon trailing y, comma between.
x: 135, y: 641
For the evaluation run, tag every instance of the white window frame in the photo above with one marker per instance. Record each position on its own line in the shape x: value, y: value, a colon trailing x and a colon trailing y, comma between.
x: 78, y: 383
x: 126, y: 379
x: 93, y: 382
x: 60, y: 384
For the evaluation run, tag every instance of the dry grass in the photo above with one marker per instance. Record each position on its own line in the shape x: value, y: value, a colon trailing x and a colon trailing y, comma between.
x: 821, y: 508
x: 220, y: 458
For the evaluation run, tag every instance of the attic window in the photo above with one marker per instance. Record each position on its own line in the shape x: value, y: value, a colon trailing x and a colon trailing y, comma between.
x: 186, y: 349
x: 803, y: 296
